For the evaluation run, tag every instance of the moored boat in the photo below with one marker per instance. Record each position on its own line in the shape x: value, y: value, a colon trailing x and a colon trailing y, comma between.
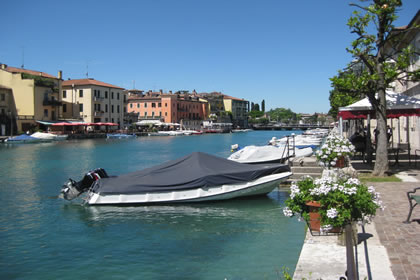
x: 120, y: 136
x: 24, y: 138
x: 193, y: 178
x: 49, y: 136
x: 266, y: 154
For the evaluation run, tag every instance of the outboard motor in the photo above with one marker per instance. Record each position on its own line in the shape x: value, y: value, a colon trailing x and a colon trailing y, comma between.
x: 73, y: 189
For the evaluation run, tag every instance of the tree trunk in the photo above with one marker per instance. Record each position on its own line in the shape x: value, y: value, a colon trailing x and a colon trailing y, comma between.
x: 381, y: 162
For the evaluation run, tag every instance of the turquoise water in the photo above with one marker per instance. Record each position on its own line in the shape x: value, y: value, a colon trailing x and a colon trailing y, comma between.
x: 43, y: 237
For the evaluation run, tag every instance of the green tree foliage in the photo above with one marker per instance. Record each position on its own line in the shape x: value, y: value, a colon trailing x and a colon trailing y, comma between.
x: 256, y: 114
x: 283, y: 115
x: 377, y: 62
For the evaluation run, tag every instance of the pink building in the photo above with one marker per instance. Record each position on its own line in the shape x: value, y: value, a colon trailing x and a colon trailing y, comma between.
x: 168, y: 107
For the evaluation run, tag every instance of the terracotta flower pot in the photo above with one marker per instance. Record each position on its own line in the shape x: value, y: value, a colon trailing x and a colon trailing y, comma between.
x: 315, y: 218
x: 340, y: 163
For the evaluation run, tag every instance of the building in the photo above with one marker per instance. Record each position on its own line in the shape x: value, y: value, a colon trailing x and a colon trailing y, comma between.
x: 238, y: 108
x: 170, y: 107
x: 31, y: 96
x: 7, y: 111
x: 93, y: 101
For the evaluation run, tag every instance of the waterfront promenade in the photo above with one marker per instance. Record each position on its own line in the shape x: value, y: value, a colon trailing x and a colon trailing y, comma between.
x: 393, y: 249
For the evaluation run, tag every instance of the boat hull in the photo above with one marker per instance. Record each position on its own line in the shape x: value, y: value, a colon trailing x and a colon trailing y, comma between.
x: 259, y: 186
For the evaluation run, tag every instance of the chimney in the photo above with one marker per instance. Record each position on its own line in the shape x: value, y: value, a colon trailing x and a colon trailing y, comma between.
x: 60, y: 75
x: 3, y: 66
x: 161, y: 91
x: 170, y: 92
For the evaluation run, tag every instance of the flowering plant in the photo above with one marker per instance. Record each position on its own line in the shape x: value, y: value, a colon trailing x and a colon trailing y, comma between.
x: 334, y: 148
x: 343, y: 200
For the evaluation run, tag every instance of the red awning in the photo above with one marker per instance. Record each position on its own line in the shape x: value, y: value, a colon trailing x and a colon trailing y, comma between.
x: 393, y: 113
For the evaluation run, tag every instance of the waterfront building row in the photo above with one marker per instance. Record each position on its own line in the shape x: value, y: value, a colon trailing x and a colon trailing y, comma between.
x: 29, y: 98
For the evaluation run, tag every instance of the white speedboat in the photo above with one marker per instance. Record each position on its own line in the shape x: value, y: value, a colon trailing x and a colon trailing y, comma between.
x: 49, y: 136
x: 266, y: 154
x: 194, y: 178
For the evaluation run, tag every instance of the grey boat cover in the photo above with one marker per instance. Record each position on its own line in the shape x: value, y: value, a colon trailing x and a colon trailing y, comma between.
x: 192, y: 171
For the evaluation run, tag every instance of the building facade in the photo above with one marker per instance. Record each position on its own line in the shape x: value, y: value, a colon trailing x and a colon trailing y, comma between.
x: 93, y: 101
x: 238, y: 108
x: 167, y: 107
x: 35, y: 96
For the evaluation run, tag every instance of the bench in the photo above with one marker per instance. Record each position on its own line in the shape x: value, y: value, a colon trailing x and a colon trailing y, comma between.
x: 413, y: 200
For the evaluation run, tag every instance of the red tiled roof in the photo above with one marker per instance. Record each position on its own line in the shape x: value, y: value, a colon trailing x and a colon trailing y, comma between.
x: 233, y: 98
x: 32, y: 72
x: 82, y: 82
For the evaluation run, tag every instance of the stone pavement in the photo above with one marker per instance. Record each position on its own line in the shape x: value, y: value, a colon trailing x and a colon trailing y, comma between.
x: 393, y: 248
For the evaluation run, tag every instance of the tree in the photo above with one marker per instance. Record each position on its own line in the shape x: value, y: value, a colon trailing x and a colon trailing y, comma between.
x: 341, y: 99
x: 256, y: 107
x: 263, y: 106
x: 378, y: 61
x: 252, y: 106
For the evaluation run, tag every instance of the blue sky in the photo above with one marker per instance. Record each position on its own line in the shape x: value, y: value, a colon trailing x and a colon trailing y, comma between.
x: 281, y: 51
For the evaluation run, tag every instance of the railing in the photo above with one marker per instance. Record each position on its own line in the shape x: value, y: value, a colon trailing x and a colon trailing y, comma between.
x: 97, y: 99
x: 98, y: 113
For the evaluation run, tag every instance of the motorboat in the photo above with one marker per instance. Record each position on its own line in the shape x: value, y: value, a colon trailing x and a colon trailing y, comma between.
x: 120, y: 136
x: 267, y: 154
x: 24, y: 138
x: 196, y: 177
x: 50, y: 136
x: 298, y: 141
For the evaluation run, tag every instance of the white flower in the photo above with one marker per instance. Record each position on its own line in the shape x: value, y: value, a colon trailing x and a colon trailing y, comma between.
x: 287, y: 212
x: 332, y: 213
x: 352, y: 181
x: 326, y: 228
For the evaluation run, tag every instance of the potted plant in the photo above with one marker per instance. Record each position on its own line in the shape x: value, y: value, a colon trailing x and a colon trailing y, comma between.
x: 338, y: 201
x: 333, y: 152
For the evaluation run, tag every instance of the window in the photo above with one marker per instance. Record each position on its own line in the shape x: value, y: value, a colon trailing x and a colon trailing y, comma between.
x: 46, y: 113
x: 106, y: 108
x: 166, y: 114
x: 99, y: 107
x: 106, y: 94
x: 145, y: 104
x: 64, y: 108
x: 166, y: 104
x: 159, y: 104
x: 118, y: 95
x: 80, y: 92
x: 112, y: 95
x: 81, y: 107
x: 153, y: 105
x: 64, y: 94
x: 2, y: 97
x: 94, y: 92
x: 145, y: 114
x: 138, y: 105
x: 125, y: 98
x: 131, y: 105
x: 118, y: 108
x: 106, y: 119
x: 112, y: 108
x: 112, y: 120
x: 98, y: 93
x: 94, y: 107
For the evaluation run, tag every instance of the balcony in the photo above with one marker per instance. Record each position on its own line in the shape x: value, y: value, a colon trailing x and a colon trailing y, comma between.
x: 98, y: 99
x: 51, y: 102
x: 98, y: 113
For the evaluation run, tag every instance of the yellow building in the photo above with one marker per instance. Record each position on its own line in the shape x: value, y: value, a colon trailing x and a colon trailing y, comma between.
x: 238, y: 108
x: 34, y: 96
x: 93, y: 101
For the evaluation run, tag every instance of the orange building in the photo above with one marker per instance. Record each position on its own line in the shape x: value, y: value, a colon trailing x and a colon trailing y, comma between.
x: 168, y: 107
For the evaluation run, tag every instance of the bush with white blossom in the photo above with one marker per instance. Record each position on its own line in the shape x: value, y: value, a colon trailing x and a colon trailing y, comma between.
x: 334, y: 148
x: 343, y: 200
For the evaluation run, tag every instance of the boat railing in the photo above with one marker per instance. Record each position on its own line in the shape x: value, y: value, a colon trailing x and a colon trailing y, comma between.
x: 289, y: 148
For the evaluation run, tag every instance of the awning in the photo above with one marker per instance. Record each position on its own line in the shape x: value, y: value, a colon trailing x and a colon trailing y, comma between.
x: 398, y: 105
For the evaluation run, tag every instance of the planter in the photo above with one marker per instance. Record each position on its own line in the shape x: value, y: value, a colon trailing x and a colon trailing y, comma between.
x: 341, y: 162
x: 314, y: 223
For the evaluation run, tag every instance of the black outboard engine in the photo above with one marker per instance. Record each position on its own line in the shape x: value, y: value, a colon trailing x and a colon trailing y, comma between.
x: 73, y: 189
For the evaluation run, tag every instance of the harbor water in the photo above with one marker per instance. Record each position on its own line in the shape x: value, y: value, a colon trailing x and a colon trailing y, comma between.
x: 44, y: 237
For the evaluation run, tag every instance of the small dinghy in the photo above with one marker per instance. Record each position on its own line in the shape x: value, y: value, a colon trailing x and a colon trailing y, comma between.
x: 193, y: 178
